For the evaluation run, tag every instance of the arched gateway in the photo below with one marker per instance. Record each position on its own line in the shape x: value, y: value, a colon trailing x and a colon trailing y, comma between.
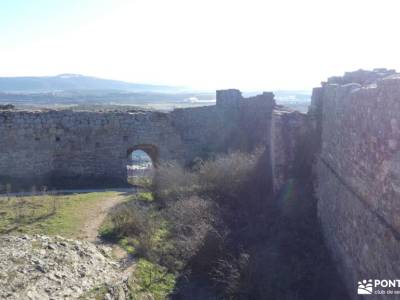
x: 141, y: 163
x: 151, y: 150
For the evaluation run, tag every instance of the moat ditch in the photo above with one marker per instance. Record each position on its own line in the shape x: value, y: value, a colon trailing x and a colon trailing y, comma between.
x: 217, y: 232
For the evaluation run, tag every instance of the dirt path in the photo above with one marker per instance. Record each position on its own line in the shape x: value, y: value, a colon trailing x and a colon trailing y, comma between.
x: 97, y: 216
x: 90, y: 230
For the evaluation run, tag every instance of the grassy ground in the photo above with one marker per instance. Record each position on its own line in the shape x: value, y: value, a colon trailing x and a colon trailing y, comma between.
x: 142, y: 211
x: 49, y: 214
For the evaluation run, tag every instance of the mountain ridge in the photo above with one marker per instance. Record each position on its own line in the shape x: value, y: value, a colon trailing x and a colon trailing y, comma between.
x: 70, y: 81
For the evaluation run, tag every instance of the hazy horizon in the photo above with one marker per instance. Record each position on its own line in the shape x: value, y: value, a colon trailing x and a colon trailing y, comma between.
x: 175, y: 88
x: 207, y: 45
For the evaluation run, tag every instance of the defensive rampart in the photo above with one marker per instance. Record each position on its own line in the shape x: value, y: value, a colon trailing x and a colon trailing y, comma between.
x: 358, y: 172
x: 69, y: 148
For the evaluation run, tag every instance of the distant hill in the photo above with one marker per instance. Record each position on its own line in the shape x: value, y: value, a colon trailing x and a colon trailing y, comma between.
x: 78, y: 90
x: 67, y: 82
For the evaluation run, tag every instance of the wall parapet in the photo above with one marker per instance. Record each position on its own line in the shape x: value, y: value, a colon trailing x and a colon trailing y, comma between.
x: 233, y: 99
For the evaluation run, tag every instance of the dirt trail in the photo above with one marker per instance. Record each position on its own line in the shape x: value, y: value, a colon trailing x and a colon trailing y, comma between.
x: 96, y: 217
x: 90, y: 230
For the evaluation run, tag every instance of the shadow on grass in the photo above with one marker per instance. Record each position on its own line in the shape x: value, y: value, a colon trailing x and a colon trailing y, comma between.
x: 20, y: 222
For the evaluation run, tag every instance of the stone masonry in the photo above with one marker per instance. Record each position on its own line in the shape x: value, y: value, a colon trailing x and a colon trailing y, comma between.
x: 66, y: 148
x: 358, y: 173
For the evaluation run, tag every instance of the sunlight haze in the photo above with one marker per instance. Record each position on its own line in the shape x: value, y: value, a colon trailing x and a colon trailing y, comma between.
x: 204, y: 44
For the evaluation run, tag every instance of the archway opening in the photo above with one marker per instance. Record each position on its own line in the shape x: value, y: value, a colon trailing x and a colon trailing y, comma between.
x: 141, y: 162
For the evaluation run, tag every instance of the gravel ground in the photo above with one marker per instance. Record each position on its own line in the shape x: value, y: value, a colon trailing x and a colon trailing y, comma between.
x: 42, y: 267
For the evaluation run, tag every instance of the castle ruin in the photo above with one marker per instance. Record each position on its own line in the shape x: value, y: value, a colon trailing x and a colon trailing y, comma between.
x: 350, y: 138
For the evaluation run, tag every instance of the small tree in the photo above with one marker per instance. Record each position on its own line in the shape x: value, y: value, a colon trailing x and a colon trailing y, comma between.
x: 8, y: 190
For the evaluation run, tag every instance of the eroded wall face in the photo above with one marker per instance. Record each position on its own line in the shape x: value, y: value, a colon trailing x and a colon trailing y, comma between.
x: 358, y: 177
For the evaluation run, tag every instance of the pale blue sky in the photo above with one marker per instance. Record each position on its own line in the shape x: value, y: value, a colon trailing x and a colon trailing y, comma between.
x: 27, y: 20
x: 247, y: 44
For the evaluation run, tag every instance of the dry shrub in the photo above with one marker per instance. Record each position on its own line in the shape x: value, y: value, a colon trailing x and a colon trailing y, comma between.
x: 172, y: 182
x: 193, y: 222
x: 225, y: 178
x: 220, y: 180
x: 198, y: 202
x: 139, y: 222
x: 190, y: 216
x: 130, y: 219
x: 229, y: 275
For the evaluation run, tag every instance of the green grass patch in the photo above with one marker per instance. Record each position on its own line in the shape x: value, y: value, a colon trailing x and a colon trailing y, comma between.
x: 154, y: 279
x: 140, y: 215
x: 128, y: 244
x: 145, y: 196
x: 140, y: 228
x: 48, y: 214
x: 144, y: 182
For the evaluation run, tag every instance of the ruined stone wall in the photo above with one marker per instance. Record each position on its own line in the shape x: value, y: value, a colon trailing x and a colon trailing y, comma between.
x: 79, y: 147
x: 358, y: 174
x: 234, y: 123
x: 65, y: 148
x: 288, y: 145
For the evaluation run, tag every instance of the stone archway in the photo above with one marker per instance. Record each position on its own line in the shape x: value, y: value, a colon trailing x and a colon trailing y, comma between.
x: 149, y: 149
x: 141, y: 162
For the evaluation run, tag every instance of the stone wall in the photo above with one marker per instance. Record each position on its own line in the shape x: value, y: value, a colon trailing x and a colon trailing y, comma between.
x: 79, y: 147
x: 289, y: 131
x: 66, y: 148
x: 358, y: 173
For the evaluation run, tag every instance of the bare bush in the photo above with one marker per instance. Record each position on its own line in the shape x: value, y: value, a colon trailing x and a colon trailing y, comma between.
x: 224, y: 178
x: 229, y: 275
x: 140, y: 223
x: 130, y: 219
x: 172, y: 182
x: 190, y: 221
